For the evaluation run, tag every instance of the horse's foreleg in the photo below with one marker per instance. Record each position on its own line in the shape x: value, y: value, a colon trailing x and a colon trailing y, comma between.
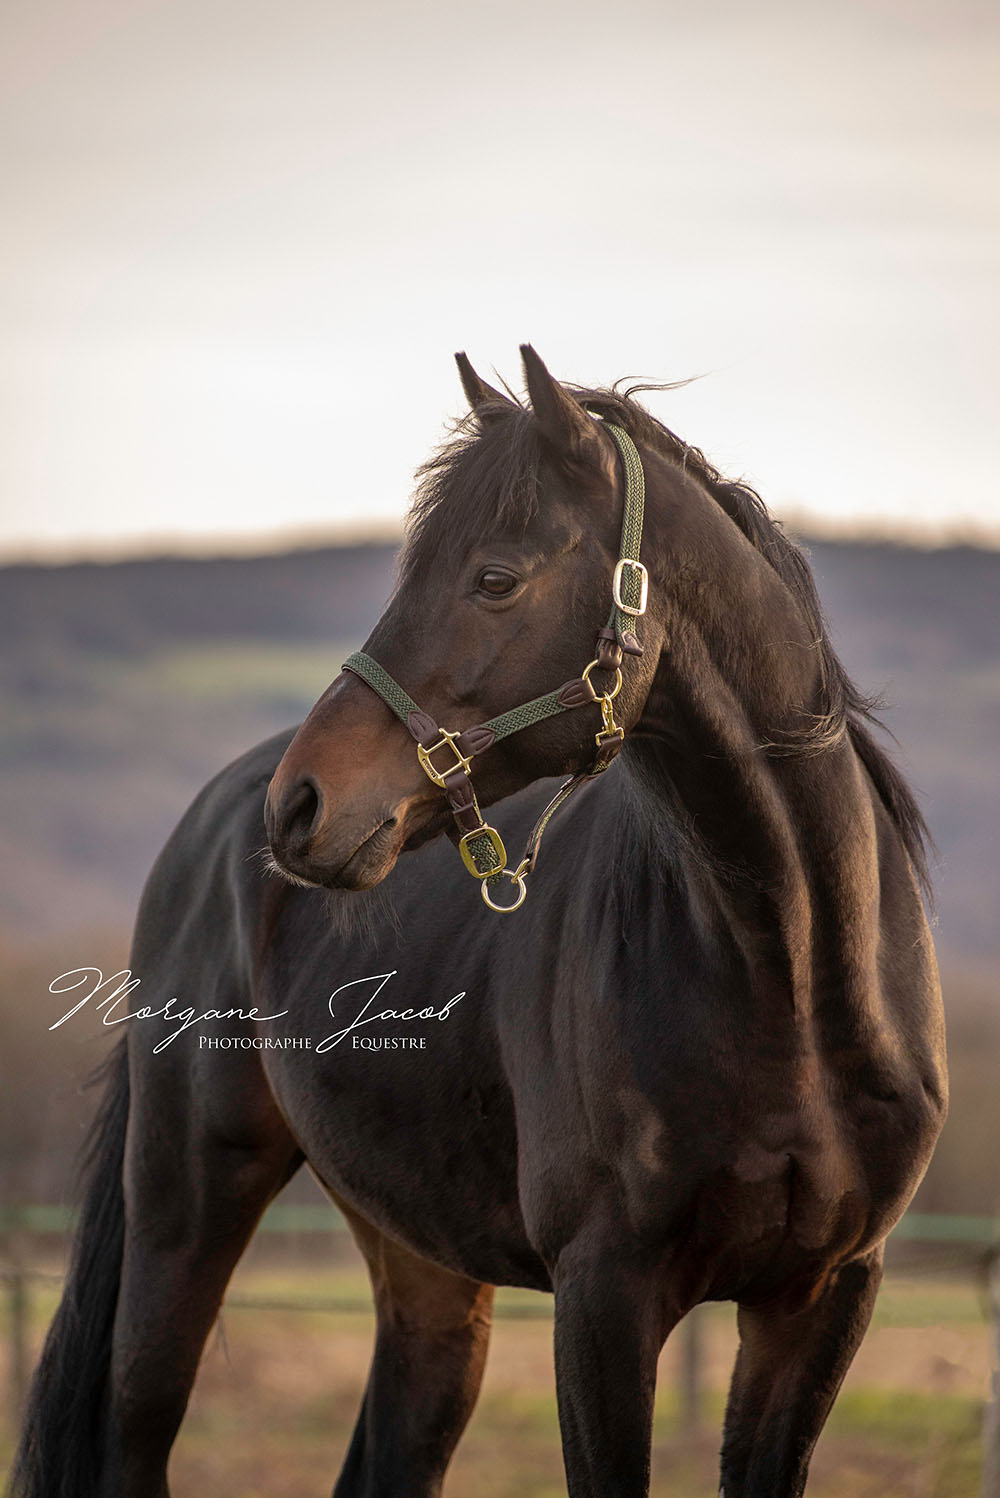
x: 788, y: 1371
x: 610, y: 1323
x: 193, y: 1196
x: 430, y: 1349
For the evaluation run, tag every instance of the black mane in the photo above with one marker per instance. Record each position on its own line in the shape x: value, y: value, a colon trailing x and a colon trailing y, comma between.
x: 487, y: 474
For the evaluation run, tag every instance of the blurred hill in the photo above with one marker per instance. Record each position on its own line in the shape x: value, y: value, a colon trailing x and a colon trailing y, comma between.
x: 124, y: 686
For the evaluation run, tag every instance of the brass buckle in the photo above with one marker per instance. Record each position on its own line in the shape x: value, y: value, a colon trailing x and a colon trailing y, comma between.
x: 616, y: 587
x: 424, y: 756
x: 496, y: 843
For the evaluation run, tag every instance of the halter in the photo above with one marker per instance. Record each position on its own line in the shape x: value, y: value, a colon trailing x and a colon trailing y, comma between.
x: 480, y: 845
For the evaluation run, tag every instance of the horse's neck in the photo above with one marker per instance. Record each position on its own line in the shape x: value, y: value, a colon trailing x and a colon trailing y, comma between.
x: 784, y: 846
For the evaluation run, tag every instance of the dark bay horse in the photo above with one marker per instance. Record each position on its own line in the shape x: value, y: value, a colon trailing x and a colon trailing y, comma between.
x: 703, y: 1061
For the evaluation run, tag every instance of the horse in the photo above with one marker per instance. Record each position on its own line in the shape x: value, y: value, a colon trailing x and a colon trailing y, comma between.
x: 694, y: 1050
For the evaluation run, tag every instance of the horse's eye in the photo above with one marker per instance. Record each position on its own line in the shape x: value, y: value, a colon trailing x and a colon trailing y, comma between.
x: 495, y: 584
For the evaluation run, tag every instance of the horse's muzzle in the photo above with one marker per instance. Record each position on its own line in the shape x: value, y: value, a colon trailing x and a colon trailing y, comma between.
x: 340, y: 847
x: 343, y: 801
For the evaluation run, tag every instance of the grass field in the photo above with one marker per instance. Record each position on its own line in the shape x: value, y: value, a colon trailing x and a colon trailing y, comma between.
x: 280, y: 1385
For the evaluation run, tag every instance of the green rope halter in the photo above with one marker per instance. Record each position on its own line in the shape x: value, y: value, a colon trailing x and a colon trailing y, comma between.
x: 481, y: 846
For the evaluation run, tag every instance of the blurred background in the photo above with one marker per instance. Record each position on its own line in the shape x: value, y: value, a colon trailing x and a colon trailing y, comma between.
x: 242, y: 243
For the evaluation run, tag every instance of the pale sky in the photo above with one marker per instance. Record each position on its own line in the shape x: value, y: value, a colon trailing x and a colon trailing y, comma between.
x: 243, y: 240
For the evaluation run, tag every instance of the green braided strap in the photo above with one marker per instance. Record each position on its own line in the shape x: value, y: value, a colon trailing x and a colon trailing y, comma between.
x: 403, y: 704
x: 484, y: 856
x: 390, y: 691
x: 481, y: 849
x: 517, y: 718
x: 635, y: 495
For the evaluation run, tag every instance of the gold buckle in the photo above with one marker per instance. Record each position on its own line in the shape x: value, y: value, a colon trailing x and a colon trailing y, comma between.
x: 496, y: 843
x: 616, y: 587
x: 461, y: 761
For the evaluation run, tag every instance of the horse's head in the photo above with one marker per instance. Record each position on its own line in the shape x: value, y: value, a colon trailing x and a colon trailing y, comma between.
x: 504, y: 582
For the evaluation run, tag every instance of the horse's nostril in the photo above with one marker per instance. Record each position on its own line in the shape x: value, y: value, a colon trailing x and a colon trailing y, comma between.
x: 300, y: 813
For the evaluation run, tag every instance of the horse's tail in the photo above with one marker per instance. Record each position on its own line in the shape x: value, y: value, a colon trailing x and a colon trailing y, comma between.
x: 60, y: 1453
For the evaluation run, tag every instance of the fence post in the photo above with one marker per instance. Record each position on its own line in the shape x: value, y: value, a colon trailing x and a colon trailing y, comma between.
x: 17, y: 1310
x: 991, y: 1417
x: 691, y: 1368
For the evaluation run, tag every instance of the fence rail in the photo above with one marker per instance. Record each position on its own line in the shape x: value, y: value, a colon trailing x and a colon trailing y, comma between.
x: 317, y: 1217
x: 17, y: 1224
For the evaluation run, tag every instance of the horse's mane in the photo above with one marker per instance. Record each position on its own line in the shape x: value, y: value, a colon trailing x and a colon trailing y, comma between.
x: 487, y: 474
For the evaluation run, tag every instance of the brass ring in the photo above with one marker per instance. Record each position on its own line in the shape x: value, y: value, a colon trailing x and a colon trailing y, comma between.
x: 618, y: 679
x: 517, y: 879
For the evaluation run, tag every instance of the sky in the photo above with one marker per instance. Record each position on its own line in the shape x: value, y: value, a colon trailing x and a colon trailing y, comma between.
x: 243, y: 241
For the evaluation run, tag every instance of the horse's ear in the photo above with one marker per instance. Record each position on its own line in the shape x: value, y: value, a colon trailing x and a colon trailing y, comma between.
x: 564, y: 422
x: 480, y: 395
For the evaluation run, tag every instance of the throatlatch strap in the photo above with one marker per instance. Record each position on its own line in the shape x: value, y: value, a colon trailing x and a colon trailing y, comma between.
x: 631, y: 542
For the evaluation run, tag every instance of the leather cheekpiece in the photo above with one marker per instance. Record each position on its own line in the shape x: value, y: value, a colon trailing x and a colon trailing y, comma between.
x: 462, y: 800
x: 423, y: 728
x: 575, y: 693
x: 472, y: 741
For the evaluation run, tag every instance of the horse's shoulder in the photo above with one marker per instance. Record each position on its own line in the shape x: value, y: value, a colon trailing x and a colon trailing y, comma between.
x: 220, y: 840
